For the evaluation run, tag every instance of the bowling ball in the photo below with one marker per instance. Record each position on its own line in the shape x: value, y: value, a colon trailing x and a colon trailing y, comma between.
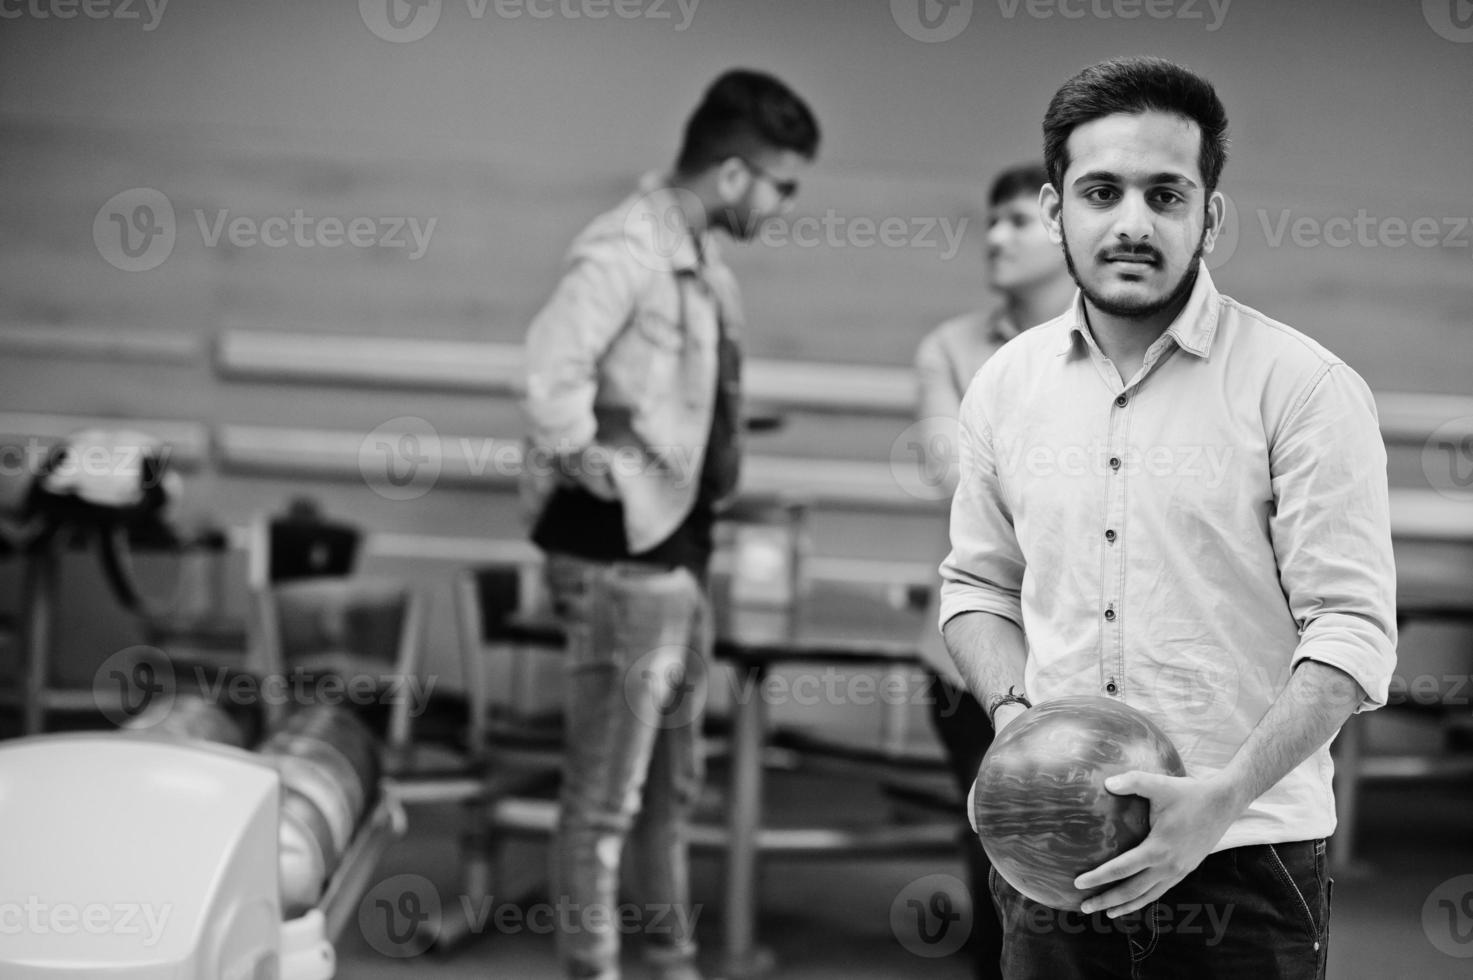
x: 188, y: 717
x: 1040, y: 805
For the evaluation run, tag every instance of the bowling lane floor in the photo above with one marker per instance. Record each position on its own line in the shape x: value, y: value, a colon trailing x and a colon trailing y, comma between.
x: 1395, y: 916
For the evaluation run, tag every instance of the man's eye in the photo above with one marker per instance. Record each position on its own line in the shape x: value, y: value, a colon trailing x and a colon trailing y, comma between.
x: 1099, y: 195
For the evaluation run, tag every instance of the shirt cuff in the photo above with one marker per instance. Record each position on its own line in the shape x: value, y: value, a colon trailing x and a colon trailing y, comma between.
x: 1355, y: 646
x: 957, y: 599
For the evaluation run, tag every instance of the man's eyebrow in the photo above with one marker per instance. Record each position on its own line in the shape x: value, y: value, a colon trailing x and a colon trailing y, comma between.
x: 1155, y: 180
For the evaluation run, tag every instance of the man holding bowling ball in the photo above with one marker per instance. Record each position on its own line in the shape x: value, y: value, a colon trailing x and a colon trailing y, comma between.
x: 1169, y: 499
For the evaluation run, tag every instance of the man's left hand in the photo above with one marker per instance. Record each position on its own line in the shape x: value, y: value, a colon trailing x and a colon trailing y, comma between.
x: 1188, y: 817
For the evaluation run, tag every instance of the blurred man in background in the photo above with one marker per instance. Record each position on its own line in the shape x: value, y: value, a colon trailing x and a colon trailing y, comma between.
x: 634, y: 441
x: 1026, y: 268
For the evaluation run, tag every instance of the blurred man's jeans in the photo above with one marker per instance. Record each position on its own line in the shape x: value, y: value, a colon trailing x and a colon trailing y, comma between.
x: 638, y: 643
x: 1260, y: 911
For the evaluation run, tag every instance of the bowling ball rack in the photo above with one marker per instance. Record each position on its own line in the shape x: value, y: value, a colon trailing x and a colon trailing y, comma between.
x: 147, y: 856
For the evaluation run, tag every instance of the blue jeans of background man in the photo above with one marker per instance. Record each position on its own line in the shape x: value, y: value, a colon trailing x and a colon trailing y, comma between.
x: 1260, y: 911
x: 638, y: 642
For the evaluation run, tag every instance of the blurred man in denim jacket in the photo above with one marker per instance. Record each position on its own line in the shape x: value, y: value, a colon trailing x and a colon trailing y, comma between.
x: 634, y: 441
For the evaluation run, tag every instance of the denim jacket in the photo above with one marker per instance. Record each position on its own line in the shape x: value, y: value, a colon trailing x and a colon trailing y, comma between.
x: 621, y: 365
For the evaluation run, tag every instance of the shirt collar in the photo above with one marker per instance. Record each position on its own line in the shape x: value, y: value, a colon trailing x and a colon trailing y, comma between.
x: 1193, y: 328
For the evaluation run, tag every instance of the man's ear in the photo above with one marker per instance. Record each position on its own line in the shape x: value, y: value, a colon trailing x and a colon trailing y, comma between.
x: 1050, y: 212
x: 732, y: 180
x: 1216, y: 215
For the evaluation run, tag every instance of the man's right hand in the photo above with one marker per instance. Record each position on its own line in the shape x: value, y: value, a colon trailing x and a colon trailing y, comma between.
x: 589, y: 469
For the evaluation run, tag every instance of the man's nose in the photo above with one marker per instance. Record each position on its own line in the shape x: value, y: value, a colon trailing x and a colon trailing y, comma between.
x: 1134, y: 220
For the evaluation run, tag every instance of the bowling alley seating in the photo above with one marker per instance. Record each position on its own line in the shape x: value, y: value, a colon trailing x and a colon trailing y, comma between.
x: 512, y: 687
x: 311, y: 613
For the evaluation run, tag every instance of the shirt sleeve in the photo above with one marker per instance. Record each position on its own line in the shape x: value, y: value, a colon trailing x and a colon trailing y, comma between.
x: 1331, y: 531
x: 984, y: 571
x: 590, y: 305
x: 937, y: 406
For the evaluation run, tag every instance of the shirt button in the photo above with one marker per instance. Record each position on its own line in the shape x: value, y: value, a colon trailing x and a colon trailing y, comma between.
x: 1110, y: 535
x: 1110, y: 615
x: 1120, y: 401
x: 1114, y: 462
x: 1111, y: 688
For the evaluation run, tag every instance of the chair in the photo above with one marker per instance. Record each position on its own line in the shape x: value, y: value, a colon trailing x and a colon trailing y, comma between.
x: 513, y: 684
x: 512, y: 739
x: 312, y: 616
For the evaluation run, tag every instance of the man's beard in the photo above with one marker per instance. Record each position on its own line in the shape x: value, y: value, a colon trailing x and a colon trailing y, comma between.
x: 737, y: 224
x: 1137, y: 309
x: 738, y: 220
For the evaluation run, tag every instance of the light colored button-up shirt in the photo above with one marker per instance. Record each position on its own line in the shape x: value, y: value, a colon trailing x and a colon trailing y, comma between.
x: 1182, y: 541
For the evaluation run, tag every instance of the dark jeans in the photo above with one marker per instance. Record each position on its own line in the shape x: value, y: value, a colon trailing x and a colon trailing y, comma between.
x: 1261, y: 911
x: 962, y: 726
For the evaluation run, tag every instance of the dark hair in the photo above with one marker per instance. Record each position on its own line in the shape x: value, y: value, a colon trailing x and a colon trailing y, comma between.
x: 1135, y: 85
x: 744, y: 112
x: 1025, y: 178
